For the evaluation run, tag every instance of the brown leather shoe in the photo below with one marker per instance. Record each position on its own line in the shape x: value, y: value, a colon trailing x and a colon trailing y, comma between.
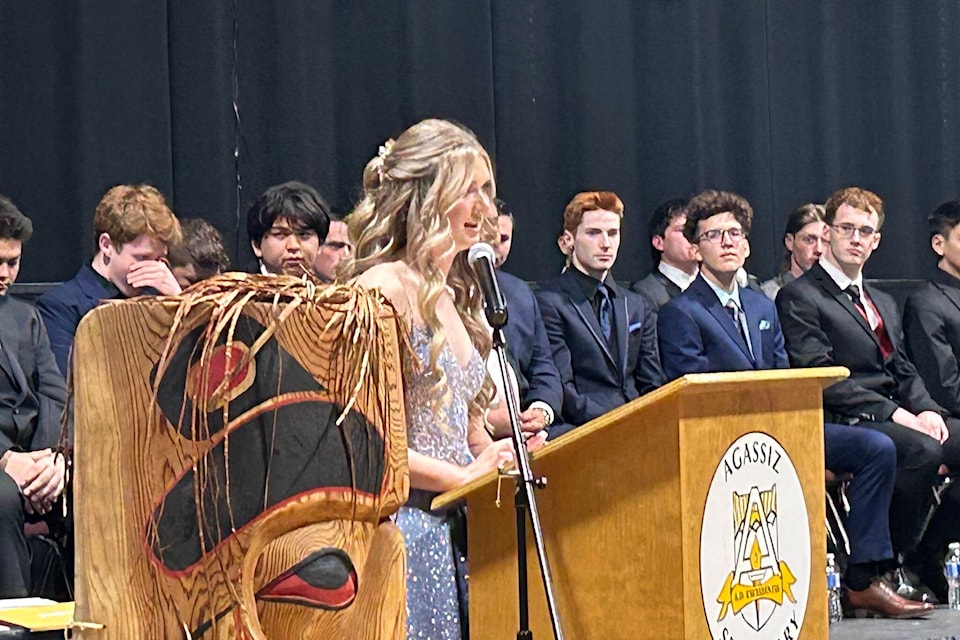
x: 880, y: 599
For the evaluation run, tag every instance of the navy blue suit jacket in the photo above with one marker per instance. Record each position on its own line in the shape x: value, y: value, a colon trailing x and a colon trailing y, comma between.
x: 597, y: 378
x: 62, y: 308
x: 528, y: 346
x: 697, y: 335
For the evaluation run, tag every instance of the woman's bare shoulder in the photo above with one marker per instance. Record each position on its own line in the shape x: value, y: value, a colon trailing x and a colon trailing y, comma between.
x: 393, y: 279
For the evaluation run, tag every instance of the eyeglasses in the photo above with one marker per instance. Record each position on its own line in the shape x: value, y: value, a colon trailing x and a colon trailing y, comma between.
x: 846, y: 230
x: 735, y: 234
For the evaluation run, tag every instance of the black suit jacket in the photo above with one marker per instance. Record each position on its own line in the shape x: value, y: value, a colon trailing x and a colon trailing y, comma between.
x: 657, y: 289
x: 32, y: 391
x: 931, y: 325
x: 822, y: 327
x: 529, y: 349
x: 597, y: 378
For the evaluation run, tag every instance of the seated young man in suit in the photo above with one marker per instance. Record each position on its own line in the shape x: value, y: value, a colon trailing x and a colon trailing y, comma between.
x: 286, y: 225
x: 675, y: 261
x: 931, y: 316
x: 537, y: 379
x: 603, y: 338
x: 831, y: 317
x: 717, y: 325
x: 931, y: 326
x: 32, y: 394
x: 805, y: 239
x: 133, y: 227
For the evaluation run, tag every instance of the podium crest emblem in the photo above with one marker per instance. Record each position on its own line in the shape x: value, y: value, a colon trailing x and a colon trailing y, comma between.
x: 755, y: 543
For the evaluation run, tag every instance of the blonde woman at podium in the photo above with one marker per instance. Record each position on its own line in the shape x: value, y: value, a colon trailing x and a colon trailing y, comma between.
x: 425, y: 197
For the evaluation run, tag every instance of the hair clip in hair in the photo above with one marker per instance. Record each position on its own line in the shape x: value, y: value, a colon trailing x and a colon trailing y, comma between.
x: 382, y: 153
x: 385, y: 149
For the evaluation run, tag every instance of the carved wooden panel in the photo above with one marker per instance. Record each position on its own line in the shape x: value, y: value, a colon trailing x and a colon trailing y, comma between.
x: 237, y: 452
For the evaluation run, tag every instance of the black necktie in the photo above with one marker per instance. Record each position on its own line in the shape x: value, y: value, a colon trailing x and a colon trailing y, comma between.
x: 854, y: 292
x: 605, y: 312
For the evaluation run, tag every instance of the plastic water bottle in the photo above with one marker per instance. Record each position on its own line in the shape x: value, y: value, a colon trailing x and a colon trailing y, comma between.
x: 951, y: 571
x: 834, y: 609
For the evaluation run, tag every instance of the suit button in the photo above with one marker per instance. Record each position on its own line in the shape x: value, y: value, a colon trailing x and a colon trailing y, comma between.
x: 16, y: 411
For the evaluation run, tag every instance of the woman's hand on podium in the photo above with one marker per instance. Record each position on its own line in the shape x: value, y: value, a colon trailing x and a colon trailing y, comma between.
x: 497, y: 455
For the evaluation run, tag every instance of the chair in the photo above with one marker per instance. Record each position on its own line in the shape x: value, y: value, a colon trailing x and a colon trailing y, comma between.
x: 51, y: 562
x: 836, y: 490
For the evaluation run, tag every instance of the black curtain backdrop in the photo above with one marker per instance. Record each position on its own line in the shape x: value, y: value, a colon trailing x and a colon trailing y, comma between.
x: 782, y: 102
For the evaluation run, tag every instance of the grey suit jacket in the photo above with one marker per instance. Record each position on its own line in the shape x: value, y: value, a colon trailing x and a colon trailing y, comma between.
x: 32, y: 391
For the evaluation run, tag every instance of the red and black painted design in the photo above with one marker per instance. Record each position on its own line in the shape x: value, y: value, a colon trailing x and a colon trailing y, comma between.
x: 281, y: 442
x: 325, y: 579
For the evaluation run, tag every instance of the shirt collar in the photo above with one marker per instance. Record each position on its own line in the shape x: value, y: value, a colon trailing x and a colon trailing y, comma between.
x: 677, y: 276
x: 726, y: 296
x: 839, y: 277
x: 946, y: 279
x: 589, y: 284
x: 112, y: 290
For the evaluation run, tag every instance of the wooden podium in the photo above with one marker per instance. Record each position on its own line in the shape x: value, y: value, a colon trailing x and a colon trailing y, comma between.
x: 624, y: 509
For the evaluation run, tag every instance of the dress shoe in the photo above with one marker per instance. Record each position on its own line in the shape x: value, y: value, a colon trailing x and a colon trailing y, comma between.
x: 929, y: 586
x: 882, y: 600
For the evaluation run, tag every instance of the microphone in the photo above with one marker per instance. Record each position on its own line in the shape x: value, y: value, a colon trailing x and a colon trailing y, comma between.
x: 482, y: 259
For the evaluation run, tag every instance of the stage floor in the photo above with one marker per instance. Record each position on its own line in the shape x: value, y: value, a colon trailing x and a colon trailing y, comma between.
x: 943, y: 624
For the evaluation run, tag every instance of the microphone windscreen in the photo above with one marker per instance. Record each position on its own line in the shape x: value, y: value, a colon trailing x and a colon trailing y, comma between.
x: 481, y: 250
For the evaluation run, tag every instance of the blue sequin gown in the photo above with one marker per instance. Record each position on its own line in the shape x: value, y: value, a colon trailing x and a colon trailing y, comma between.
x: 432, y: 604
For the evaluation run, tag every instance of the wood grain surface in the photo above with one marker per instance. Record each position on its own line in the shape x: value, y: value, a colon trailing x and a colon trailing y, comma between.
x: 128, y: 454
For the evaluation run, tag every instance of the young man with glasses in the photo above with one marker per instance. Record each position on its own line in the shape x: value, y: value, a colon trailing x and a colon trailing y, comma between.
x: 716, y: 325
x: 831, y: 317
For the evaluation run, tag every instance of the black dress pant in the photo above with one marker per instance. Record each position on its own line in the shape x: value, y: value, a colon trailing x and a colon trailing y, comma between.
x: 918, y: 458
x: 14, y: 553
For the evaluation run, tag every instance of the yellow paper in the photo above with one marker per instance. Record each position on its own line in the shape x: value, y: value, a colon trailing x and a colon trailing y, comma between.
x: 41, y: 617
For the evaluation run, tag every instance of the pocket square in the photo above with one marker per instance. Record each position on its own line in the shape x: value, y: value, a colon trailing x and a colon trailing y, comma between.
x: 764, y: 325
x: 633, y: 327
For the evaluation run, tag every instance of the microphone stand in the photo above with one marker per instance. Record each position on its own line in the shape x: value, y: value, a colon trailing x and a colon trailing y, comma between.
x: 525, y: 503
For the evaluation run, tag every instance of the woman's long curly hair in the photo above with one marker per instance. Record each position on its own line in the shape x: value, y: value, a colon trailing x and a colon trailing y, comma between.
x: 408, y: 189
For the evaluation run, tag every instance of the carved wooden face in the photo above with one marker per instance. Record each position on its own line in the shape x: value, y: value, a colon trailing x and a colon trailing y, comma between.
x: 273, y: 441
x: 257, y: 496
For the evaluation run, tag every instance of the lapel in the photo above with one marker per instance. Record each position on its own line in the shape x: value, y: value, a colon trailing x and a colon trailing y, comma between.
x: 889, y: 315
x: 947, y: 285
x: 620, y: 325
x: 584, y: 309
x: 89, y: 284
x: 708, y: 298
x: 752, y: 313
x: 671, y: 287
x: 9, y: 345
x: 835, y: 292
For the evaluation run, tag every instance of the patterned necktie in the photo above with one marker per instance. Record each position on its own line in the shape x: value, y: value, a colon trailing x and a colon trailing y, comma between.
x: 605, y: 312
x: 734, y: 312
